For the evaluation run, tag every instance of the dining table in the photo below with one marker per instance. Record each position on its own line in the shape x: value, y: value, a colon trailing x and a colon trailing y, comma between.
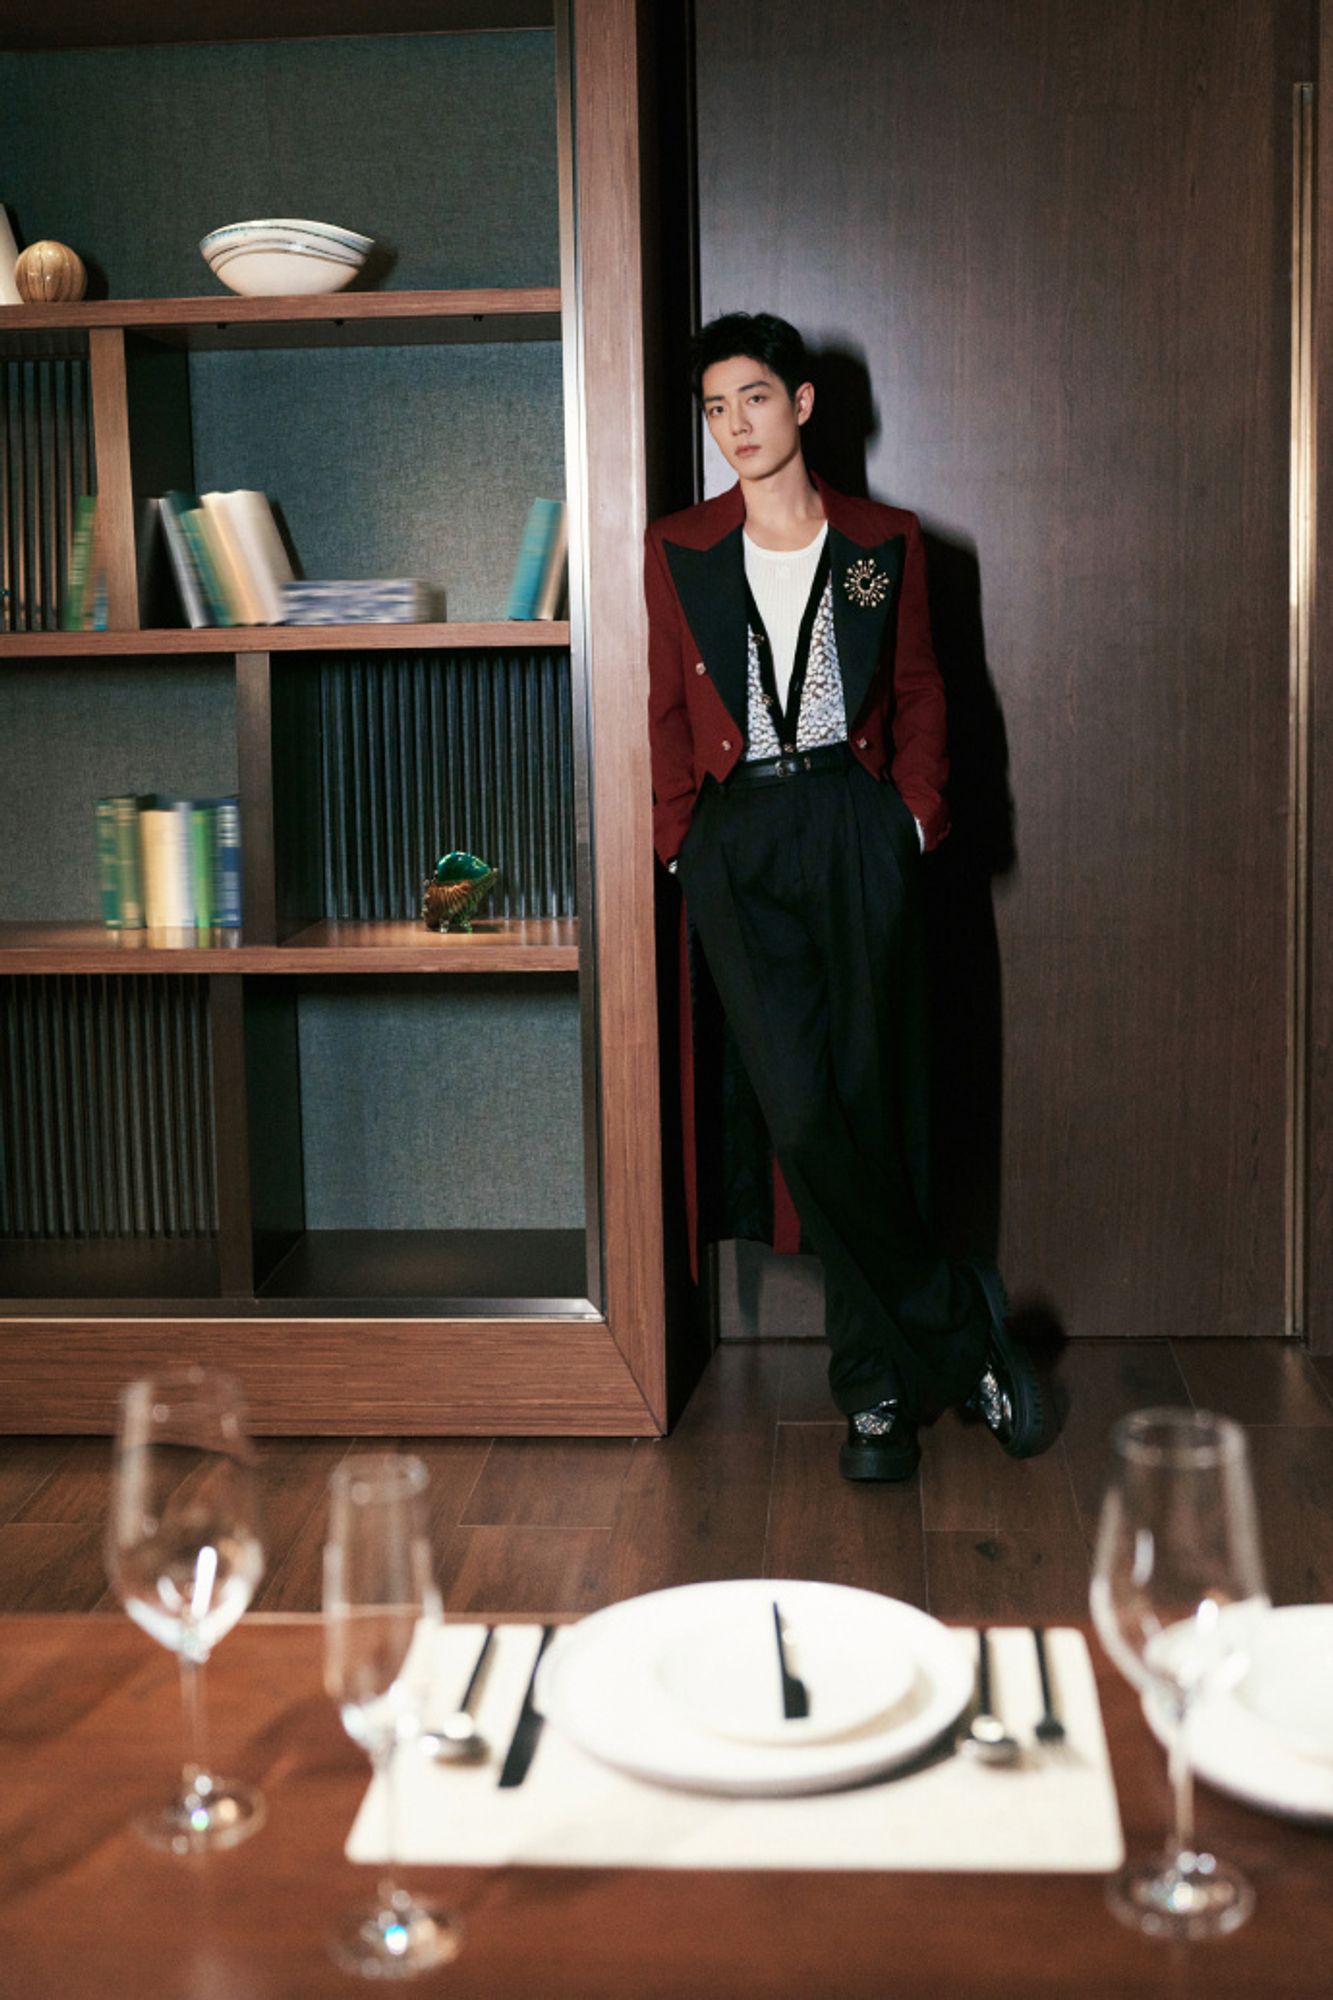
x: 90, y: 1731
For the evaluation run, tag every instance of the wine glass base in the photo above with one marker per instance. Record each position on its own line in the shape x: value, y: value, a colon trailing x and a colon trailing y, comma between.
x: 1185, y: 1896
x: 200, y: 1822
x: 397, y: 1937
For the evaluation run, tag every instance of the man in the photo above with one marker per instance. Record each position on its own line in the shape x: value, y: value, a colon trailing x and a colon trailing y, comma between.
x: 797, y: 730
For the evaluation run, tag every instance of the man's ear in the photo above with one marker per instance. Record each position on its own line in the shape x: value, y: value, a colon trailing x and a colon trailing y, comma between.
x: 804, y: 400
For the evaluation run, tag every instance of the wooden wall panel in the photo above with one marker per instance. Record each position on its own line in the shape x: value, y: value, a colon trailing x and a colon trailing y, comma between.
x: 1044, y: 248
x: 1319, y: 1306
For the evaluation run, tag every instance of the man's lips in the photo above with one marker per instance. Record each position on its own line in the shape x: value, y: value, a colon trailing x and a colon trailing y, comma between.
x: 744, y: 450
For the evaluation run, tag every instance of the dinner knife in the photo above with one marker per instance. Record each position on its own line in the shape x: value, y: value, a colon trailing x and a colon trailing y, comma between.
x: 523, y: 1743
x: 795, y: 1699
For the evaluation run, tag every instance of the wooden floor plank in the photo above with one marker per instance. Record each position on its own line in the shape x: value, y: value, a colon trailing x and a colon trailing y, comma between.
x: 550, y: 1483
x: 695, y: 1506
x: 294, y: 1477
x: 839, y: 1531
x: 490, y: 1570
x: 26, y: 1464
x: 78, y: 1488
x: 805, y: 1397
x: 970, y: 1486
x: 1256, y: 1382
x: 52, y: 1566
x: 1104, y: 1380
x: 1015, y: 1578
x: 1322, y: 1365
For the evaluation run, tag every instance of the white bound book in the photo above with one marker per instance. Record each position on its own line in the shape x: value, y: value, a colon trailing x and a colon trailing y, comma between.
x: 164, y: 851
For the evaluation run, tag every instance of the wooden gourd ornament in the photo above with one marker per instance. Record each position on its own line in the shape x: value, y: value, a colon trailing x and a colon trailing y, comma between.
x: 47, y: 272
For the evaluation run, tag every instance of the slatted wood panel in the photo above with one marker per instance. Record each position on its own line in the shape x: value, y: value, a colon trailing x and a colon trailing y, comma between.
x: 424, y: 752
x: 46, y: 463
x: 106, y: 1109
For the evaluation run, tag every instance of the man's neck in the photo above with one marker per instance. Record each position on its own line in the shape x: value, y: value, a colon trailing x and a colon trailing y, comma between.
x: 784, y: 509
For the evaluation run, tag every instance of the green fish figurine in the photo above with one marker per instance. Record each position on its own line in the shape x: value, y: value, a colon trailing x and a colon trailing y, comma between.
x: 458, y: 886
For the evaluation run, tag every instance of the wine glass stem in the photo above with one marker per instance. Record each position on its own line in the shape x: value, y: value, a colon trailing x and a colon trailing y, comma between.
x: 1181, y: 1773
x: 194, y: 1703
x: 386, y: 1767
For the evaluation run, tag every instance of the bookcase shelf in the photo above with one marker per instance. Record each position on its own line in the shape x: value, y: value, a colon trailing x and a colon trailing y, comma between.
x: 330, y: 319
x: 389, y: 1201
x: 494, y: 945
x: 462, y: 636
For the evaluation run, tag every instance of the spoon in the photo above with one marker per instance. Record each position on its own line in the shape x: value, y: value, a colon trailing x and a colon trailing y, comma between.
x: 457, y: 1740
x: 986, y: 1737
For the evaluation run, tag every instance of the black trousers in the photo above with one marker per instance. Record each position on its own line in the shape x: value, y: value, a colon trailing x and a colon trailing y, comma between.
x: 806, y: 892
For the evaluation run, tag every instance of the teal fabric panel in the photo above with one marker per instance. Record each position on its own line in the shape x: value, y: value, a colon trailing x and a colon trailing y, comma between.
x: 73, y: 734
x: 441, y: 147
x: 441, y: 1104
x: 393, y: 461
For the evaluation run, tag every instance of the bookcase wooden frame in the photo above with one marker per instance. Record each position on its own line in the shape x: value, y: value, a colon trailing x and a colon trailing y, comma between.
x: 584, y: 1369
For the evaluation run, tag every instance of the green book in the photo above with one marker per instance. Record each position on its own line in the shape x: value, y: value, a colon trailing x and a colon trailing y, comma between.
x: 80, y: 562
x: 202, y: 816
x: 119, y: 880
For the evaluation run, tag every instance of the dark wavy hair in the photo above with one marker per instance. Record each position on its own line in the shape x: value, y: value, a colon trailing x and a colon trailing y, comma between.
x: 763, y: 336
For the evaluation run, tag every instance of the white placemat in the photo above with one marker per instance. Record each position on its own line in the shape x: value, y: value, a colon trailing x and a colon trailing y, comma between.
x: 1054, y: 1811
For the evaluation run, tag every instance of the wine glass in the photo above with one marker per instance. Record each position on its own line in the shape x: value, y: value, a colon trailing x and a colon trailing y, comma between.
x: 380, y: 1595
x: 1177, y: 1590
x: 184, y: 1556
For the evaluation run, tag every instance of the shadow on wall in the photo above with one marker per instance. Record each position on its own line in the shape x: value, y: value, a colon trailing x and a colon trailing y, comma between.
x: 966, y: 995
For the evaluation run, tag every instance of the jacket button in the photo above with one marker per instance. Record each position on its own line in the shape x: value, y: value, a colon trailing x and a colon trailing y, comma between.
x: 863, y: 743
x: 726, y: 743
x: 699, y: 667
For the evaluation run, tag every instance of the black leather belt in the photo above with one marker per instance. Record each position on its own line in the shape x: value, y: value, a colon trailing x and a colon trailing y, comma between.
x: 793, y: 764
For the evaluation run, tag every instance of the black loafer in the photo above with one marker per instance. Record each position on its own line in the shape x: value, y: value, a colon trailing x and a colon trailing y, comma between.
x: 881, y: 1444
x: 1008, y: 1396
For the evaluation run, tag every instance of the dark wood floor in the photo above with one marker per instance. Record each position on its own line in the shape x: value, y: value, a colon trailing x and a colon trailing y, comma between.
x: 747, y: 1485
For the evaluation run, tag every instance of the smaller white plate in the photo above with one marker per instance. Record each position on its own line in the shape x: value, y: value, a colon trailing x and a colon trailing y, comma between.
x: 722, y: 1669
x: 615, y: 1685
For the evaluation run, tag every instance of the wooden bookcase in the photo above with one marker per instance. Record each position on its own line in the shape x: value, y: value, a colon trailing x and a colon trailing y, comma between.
x: 174, y: 1100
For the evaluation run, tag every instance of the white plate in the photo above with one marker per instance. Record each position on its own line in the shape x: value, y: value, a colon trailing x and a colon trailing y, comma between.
x: 613, y: 1684
x: 1289, y: 1686
x: 720, y: 1667
x: 1236, y: 1749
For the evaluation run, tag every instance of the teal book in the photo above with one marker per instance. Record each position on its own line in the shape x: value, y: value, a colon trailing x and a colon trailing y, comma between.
x: 539, y: 535
x: 227, y: 862
x: 190, y: 514
x: 184, y: 569
x: 108, y: 882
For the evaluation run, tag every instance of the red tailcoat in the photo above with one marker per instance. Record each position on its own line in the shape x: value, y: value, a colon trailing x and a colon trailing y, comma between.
x: 694, y: 581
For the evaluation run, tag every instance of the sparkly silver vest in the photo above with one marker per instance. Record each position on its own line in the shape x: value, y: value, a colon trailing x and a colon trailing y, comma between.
x: 823, y: 712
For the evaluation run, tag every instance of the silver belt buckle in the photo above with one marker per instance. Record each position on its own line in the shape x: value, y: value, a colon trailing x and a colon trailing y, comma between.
x: 788, y: 766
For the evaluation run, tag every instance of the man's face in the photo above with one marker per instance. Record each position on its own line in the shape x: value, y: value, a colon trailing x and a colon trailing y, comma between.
x: 755, y: 424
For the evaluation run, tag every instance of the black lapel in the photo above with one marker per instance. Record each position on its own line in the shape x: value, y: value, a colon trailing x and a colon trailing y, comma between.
x: 857, y: 627
x: 711, y: 586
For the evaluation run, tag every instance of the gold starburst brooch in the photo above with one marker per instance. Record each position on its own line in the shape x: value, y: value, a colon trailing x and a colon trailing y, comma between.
x: 866, y: 585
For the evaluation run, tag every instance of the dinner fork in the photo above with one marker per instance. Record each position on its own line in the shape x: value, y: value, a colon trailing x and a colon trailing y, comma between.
x: 1050, y: 1730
